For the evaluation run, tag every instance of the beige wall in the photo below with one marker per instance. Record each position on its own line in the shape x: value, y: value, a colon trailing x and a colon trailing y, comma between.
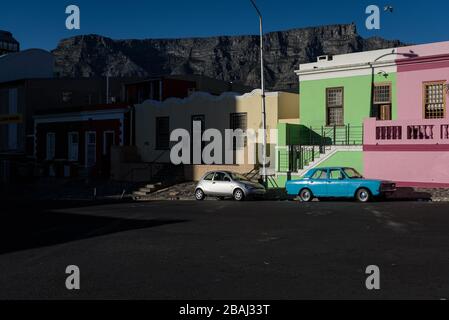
x: 196, y: 172
x: 289, y: 107
x: 217, y: 111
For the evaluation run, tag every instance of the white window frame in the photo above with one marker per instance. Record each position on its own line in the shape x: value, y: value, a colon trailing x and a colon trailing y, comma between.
x: 86, y: 147
x: 104, y: 139
x: 50, y: 154
x: 69, y: 146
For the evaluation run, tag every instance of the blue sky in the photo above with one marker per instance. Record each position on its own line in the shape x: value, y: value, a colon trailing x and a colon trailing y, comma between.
x: 41, y: 23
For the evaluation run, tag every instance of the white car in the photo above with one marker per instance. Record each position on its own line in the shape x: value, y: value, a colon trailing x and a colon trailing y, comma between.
x: 224, y: 184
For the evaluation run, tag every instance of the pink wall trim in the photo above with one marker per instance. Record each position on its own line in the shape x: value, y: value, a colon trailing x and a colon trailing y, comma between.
x: 436, y: 132
x: 423, y: 63
x: 407, y: 147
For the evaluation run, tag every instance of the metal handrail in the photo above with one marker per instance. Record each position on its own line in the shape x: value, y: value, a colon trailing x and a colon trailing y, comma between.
x: 314, y: 141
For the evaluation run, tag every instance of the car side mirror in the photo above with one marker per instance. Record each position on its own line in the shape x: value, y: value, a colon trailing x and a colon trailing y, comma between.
x: 227, y: 179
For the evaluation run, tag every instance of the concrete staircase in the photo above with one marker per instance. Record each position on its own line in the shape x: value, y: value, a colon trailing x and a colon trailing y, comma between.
x: 167, y: 176
x: 329, y: 152
x: 147, y: 190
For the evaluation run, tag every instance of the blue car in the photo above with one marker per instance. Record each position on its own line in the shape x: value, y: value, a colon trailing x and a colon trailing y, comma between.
x: 338, y: 182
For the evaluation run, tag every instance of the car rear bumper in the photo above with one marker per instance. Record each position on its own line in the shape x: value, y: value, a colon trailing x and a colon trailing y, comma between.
x: 388, y: 188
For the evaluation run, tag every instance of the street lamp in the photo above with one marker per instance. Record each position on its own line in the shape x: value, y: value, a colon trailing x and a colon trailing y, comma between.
x: 264, y: 125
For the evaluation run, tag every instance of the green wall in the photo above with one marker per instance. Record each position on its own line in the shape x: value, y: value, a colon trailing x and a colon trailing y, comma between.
x: 357, y: 95
x: 279, y: 181
x: 353, y: 159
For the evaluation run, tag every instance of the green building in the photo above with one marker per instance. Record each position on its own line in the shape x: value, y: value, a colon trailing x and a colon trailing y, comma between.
x: 337, y: 93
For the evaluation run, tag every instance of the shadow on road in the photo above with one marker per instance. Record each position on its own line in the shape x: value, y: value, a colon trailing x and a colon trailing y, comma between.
x: 22, y: 230
x: 409, y: 194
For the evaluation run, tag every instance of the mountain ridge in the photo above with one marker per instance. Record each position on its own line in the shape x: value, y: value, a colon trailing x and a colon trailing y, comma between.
x: 228, y: 58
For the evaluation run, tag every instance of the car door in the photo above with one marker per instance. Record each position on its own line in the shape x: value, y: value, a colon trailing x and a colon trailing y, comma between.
x: 207, y: 183
x: 318, y: 183
x: 222, y: 185
x: 337, y: 183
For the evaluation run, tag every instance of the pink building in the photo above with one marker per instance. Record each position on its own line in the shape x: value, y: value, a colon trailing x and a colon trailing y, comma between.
x: 413, y: 150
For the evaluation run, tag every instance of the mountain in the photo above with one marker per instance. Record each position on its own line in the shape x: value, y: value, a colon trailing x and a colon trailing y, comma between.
x: 230, y: 58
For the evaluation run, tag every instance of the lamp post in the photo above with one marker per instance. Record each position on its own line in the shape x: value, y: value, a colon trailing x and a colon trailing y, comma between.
x: 262, y: 84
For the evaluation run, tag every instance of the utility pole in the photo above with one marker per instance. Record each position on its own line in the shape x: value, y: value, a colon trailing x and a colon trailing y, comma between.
x: 262, y: 85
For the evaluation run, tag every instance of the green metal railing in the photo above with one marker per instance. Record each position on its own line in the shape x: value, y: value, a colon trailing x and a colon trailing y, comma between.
x: 332, y: 135
x: 313, y: 142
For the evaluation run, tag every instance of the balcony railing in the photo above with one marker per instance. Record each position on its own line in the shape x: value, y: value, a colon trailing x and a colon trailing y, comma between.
x: 331, y: 135
x: 428, y: 131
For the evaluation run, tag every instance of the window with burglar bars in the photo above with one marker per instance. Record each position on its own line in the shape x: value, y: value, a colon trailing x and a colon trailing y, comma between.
x: 162, y: 133
x: 239, y: 121
x: 434, y: 100
x: 382, y: 100
x: 382, y: 93
x: 334, y: 106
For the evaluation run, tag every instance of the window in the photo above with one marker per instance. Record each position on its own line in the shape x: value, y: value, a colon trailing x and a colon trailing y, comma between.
x: 334, y: 106
x: 238, y: 177
x: 336, y: 174
x: 162, y: 133
x: 220, y: 176
x: 352, y: 173
x: 209, y: 177
x: 51, y: 145
x: 239, y: 121
x: 320, y: 174
x: 382, y: 100
x: 73, y: 146
x: 91, y: 148
x: 434, y: 100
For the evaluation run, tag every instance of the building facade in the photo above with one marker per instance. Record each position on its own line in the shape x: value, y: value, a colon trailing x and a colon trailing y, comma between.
x: 416, y: 143
x: 21, y: 99
x: 367, y: 109
x: 78, y: 141
x: 155, y: 121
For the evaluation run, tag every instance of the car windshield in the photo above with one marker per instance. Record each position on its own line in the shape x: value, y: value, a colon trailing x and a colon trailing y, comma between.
x: 352, y: 173
x: 238, y: 177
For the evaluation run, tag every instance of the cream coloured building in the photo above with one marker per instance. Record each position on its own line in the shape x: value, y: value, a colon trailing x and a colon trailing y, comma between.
x: 155, y: 121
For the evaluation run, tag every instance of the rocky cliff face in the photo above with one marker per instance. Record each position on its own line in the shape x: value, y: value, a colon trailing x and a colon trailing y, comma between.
x: 234, y: 58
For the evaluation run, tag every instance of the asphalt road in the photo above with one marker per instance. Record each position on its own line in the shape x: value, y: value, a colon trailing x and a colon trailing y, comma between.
x: 226, y: 250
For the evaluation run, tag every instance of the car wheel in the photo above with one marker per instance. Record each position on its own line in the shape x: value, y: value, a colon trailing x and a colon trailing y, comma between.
x: 306, y: 195
x: 363, y: 195
x: 239, y: 195
x: 199, y: 195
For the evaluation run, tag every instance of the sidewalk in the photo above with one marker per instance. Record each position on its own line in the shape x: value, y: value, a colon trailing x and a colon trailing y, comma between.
x: 57, y: 189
